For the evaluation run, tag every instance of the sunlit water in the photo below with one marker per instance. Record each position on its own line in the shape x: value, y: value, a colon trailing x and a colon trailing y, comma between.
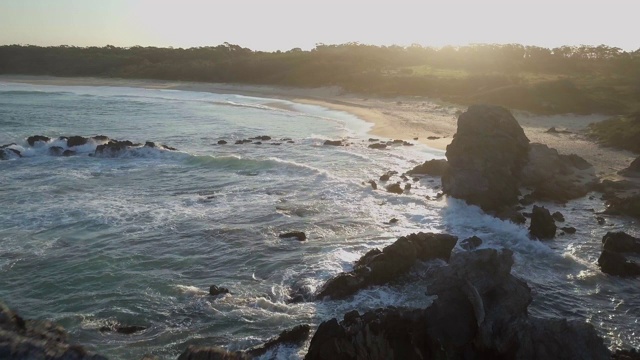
x: 139, y: 238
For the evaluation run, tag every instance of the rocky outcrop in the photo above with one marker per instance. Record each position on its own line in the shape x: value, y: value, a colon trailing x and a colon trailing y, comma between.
x: 333, y: 143
x: 7, y: 153
x: 614, y: 263
x: 621, y: 242
x: 430, y: 167
x: 556, y: 177
x: 296, y: 337
x: 215, y: 290
x: 113, y: 147
x: 293, y: 337
x: 629, y: 206
x: 543, y: 226
x: 485, y: 158
x: 471, y: 243
x: 76, y: 141
x: 633, y: 170
x: 29, y: 339
x: 32, y: 140
x: 480, y: 313
x: 379, y: 267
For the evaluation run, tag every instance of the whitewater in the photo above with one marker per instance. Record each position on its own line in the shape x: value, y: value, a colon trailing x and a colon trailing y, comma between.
x: 138, y: 238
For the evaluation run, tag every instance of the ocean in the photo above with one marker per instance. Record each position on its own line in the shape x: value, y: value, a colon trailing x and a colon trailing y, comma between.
x: 138, y: 238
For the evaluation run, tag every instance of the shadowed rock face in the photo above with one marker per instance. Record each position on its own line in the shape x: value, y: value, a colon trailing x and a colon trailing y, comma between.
x: 28, y: 339
x: 480, y: 313
x: 485, y: 158
x: 543, y: 226
x: 379, y: 267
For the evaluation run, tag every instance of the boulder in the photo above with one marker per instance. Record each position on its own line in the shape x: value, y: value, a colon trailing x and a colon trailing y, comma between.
x: 486, y: 157
x: 621, y: 242
x: 298, y: 235
x: 471, y: 243
x: 394, y: 188
x: 480, y: 313
x: 31, y: 140
x: 114, y: 147
x: 568, y: 229
x: 76, y: 141
x: 333, y: 143
x: 56, y: 150
x: 543, y: 226
x: 222, y: 142
x: 379, y: 267
x: 614, y: 263
x: 373, y: 184
x: 557, y: 216
x: 378, y: 146
x: 29, y: 339
x: 430, y: 167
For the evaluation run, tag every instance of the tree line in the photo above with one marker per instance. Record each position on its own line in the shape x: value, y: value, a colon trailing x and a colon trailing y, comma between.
x: 581, y: 79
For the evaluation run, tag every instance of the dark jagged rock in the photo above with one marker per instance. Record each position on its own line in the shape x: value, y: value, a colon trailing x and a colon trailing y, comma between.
x: 614, y: 263
x: 150, y: 144
x: 56, y: 150
x: 68, y: 153
x: 100, y: 138
x: 480, y: 313
x: 76, y: 141
x: 113, y: 147
x: 633, y: 170
x: 214, y: 290
x: 557, y: 216
x: 31, y: 140
x: 601, y: 220
x: 556, y: 177
x: 430, y: 167
x: 333, y: 143
x: 378, y: 146
x: 629, y: 206
x: 373, y: 184
x: 621, y: 242
x: 510, y: 213
x: 386, y: 176
x: 568, y: 229
x: 407, y: 187
x: 7, y: 153
x: 211, y: 353
x: 393, y: 220
x: 394, y: 188
x: 29, y: 339
x: 296, y: 336
x: 222, y: 142
x: 166, y: 147
x: 471, y: 243
x: 298, y: 235
x: 379, y: 267
x: 485, y: 158
x: 542, y: 224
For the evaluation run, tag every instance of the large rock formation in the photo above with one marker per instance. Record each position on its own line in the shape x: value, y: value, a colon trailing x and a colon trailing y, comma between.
x: 379, y: 267
x: 435, y: 167
x: 612, y: 261
x: 28, y: 339
x: 556, y: 177
x: 543, y: 226
x: 486, y: 157
x: 480, y: 313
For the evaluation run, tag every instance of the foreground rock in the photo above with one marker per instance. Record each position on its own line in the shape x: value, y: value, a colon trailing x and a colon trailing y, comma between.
x: 294, y: 337
x: 485, y: 158
x: 614, y: 263
x: 28, y: 339
x: 620, y: 242
x: 480, y: 313
x: 543, y: 226
x: 379, y: 267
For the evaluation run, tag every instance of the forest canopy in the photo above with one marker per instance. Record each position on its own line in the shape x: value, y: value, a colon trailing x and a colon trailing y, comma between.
x: 578, y: 79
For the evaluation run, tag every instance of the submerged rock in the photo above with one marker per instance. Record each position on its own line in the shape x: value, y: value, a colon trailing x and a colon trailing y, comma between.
x: 7, y: 153
x: 123, y: 329
x: 298, y: 235
x: 333, y: 143
x: 480, y: 313
x: 29, y: 339
x: 471, y: 243
x: 485, y: 158
x: 379, y: 267
x: 296, y: 337
x: 378, y: 146
x: 56, y: 150
x: 214, y: 290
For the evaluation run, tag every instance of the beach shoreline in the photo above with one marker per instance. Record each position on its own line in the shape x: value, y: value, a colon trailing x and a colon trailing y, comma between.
x: 426, y: 121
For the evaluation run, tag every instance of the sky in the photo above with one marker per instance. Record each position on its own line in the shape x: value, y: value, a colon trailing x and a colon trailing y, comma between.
x: 271, y: 25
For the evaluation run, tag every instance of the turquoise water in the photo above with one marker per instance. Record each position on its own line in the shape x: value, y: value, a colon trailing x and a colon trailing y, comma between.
x: 138, y: 238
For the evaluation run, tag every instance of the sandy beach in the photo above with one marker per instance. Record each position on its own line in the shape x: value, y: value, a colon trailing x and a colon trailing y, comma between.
x: 432, y: 122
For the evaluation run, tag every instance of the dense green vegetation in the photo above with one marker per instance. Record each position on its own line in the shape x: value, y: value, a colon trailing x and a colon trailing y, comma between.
x: 579, y: 79
x: 621, y: 132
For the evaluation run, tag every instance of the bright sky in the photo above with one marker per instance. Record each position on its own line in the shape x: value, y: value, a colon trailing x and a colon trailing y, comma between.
x: 282, y: 25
